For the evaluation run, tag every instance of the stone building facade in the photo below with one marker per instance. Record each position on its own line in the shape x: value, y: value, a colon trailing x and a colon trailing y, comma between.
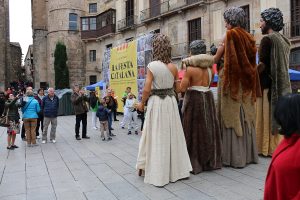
x: 28, y: 67
x: 4, y: 43
x: 57, y: 21
x: 14, y: 73
x: 10, y: 52
x: 102, y: 24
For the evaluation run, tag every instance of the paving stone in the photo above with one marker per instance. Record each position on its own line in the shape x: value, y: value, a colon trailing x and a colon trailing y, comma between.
x: 93, y: 160
x: 124, y: 190
x: 70, y: 194
x: 39, y: 170
x: 44, y: 193
x: 14, y: 197
x: 103, y: 194
x: 176, y: 186
x: 153, y: 192
x: 191, y: 193
x: 38, y: 181
x: 135, y: 180
x: 215, y: 191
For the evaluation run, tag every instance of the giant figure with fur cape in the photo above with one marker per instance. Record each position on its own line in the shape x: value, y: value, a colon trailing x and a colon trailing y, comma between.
x: 238, y: 89
x: 274, y: 78
x: 200, y: 122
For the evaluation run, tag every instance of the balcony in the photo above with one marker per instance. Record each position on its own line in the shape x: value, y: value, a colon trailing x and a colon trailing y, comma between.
x: 105, y: 24
x: 180, y: 50
x: 128, y: 22
x: 93, y: 34
x: 168, y: 8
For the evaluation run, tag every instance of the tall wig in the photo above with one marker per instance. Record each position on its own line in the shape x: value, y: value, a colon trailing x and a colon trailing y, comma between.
x: 197, y: 47
x: 235, y: 16
x: 161, y: 48
x: 273, y: 18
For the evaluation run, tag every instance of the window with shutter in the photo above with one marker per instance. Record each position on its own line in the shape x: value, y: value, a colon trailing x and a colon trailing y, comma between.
x: 194, y: 30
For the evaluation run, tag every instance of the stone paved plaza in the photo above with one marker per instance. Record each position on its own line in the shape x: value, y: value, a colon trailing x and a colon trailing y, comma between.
x: 93, y: 169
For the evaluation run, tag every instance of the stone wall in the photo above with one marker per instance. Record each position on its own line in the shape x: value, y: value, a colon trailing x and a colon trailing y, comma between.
x: 58, y: 31
x: 39, y: 14
x: 14, y: 72
x: 28, y: 65
x: 4, y: 43
x: 55, y: 15
x: 39, y: 49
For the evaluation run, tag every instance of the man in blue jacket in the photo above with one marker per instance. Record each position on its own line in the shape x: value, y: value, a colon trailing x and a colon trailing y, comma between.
x: 50, y: 109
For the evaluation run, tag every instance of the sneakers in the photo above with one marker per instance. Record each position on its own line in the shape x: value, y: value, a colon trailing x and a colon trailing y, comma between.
x: 38, y: 137
x: 109, y: 138
x: 44, y: 142
x: 10, y: 148
x: 14, y: 146
x: 86, y: 137
x: 129, y: 132
x: 95, y: 128
x: 111, y: 134
x: 53, y: 141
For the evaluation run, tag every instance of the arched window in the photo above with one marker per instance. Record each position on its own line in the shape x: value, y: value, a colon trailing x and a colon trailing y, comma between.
x: 73, y: 22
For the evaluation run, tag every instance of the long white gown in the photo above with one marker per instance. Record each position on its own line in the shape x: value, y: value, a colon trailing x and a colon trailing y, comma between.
x: 162, y: 149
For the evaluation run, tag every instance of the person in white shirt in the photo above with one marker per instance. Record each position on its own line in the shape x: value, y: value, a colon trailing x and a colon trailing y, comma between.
x: 130, y: 105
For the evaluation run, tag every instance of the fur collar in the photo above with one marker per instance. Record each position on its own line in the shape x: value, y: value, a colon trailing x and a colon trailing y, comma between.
x: 200, y: 61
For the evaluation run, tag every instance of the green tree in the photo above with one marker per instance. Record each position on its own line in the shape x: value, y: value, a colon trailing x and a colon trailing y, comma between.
x: 60, y: 67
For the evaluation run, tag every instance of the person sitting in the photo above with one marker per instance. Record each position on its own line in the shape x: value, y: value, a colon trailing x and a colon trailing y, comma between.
x: 283, y: 178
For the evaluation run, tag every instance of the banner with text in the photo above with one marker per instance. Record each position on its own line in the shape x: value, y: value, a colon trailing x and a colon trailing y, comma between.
x: 123, y: 70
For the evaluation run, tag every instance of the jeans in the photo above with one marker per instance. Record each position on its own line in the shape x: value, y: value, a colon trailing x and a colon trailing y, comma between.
x: 81, y: 117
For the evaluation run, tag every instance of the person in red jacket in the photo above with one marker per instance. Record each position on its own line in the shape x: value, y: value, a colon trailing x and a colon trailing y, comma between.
x: 283, y: 179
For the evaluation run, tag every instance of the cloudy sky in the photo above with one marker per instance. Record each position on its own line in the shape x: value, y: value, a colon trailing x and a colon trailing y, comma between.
x: 20, y: 23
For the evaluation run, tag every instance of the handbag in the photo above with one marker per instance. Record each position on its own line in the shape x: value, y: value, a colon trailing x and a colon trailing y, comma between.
x: 4, y: 120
